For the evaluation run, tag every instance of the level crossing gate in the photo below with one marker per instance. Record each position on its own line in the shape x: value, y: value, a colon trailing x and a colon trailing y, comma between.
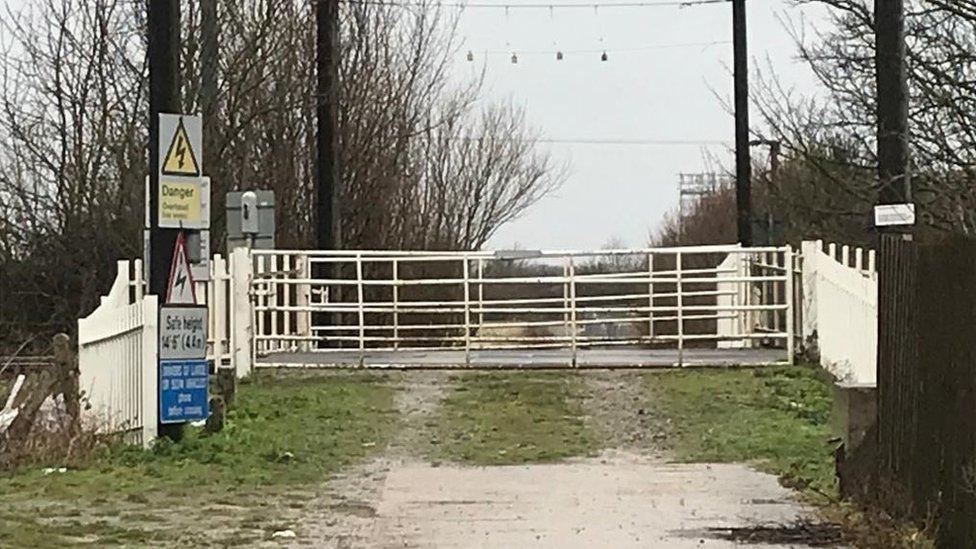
x: 703, y: 305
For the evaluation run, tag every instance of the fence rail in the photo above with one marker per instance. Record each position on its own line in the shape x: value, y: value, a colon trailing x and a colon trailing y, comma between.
x: 16, y: 364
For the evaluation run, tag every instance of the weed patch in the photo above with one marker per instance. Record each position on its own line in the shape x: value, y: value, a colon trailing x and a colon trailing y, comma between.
x: 775, y: 418
x: 504, y: 418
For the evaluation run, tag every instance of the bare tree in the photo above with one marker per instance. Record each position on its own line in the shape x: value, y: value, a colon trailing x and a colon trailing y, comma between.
x: 404, y: 126
x: 424, y: 165
x: 828, y: 183
x: 710, y: 221
x: 72, y: 163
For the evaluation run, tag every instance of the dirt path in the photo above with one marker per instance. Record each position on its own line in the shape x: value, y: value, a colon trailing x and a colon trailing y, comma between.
x: 630, y: 496
x: 616, y: 406
x: 345, y: 514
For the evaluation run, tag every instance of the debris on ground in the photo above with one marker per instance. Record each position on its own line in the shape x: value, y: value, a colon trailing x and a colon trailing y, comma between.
x: 811, y: 534
x: 284, y: 534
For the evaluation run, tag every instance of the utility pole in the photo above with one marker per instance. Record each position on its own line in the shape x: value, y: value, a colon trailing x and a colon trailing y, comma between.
x: 209, y: 70
x: 743, y: 161
x: 209, y: 65
x: 775, y: 149
x: 892, y: 103
x: 163, y: 24
x: 897, y: 256
x: 327, y: 112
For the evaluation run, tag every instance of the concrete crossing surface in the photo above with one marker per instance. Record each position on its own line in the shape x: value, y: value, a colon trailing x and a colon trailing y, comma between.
x: 620, y: 500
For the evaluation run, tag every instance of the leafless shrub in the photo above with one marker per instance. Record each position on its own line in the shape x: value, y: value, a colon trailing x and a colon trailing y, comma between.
x: 55, y: 444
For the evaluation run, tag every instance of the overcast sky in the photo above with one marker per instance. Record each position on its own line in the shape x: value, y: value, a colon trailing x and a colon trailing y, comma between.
x: 666, y: 77
x: 641, y: 93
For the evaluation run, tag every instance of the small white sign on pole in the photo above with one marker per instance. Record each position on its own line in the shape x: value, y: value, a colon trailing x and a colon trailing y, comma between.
x: 889, y: 215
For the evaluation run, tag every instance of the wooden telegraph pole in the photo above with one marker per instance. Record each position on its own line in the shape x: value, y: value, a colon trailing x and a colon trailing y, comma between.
x: 897, y: 269
x: 893, y: 160
x: 163, y: 23
x: 326, y: 215
x: 327, y: 112
x: 743, y: 161
x: 209, y: 66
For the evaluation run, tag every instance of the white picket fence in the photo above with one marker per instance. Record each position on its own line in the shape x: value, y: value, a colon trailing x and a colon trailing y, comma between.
x: 117, y: 347
x: 840, y: 309
x: 118, y: 342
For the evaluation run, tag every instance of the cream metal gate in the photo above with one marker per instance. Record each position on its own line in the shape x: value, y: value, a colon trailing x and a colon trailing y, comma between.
x: 704, y: 305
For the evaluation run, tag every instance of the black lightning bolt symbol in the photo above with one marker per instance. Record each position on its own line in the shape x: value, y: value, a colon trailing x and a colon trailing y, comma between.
x: 180, y: 281
x: 181, y: 150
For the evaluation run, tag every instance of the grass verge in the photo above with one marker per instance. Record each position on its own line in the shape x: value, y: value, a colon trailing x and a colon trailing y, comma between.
x: 282, y: 440
x: 503, y: 418
x: 775, y: 418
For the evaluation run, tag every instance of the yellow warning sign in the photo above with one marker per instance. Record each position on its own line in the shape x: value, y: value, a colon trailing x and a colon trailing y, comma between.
x: 180, y: 203
x: 180, y: 158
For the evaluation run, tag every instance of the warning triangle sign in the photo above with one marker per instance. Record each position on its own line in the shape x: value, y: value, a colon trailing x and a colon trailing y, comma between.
x: 179, y: 289
x: 181, y: 159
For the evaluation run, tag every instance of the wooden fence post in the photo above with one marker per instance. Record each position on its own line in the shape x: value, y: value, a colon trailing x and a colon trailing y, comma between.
x: 66, y: 365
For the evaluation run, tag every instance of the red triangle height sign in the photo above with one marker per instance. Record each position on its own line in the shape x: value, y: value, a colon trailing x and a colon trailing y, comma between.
x: 179, y: 289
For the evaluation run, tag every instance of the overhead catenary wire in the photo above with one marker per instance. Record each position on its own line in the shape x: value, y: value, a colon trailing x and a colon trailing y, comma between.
x: 559, y: 5
x: 654, y: 142
x: 704, y: 45
x: 608, y: 141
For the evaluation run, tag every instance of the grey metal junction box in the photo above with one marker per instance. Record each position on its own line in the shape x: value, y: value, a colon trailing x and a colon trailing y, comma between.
x: 243, y: 209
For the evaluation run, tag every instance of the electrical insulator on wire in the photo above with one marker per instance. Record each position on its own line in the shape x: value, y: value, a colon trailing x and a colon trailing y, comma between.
x: 470, y: 56
x: 559, y: 56
x: 604, y: 57
x: 514, y: 58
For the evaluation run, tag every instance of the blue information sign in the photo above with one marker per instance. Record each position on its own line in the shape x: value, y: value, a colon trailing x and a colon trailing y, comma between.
x: 183, y: 390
